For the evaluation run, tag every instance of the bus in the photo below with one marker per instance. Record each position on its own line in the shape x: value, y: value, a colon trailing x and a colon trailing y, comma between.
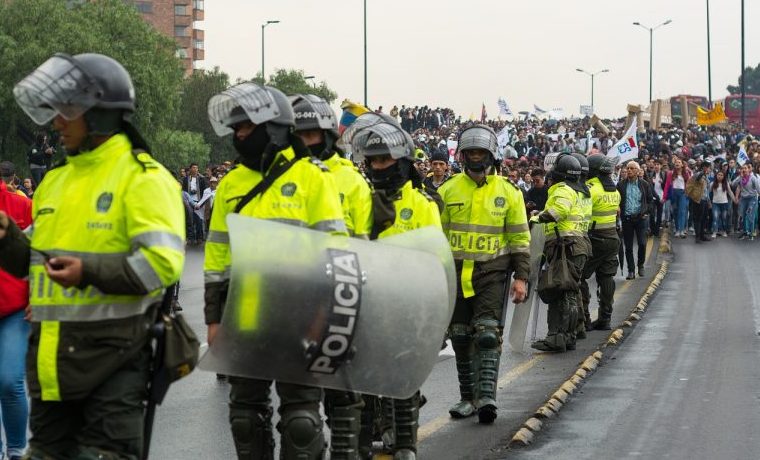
x: 693, y: 102
x: 733, y: 107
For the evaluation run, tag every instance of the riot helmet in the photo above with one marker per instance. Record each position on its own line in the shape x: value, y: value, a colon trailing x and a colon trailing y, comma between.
x: 584, y: 164
x: 385, y: 139
x: 312, y: 113
x: 361, y: 122
x: 567, y: 168
x: 478, y: 137
x: 94, y: 86
x: 600, y: 164
x: 268, y: 111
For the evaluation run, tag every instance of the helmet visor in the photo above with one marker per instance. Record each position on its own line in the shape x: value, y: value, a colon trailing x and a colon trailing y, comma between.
x: 243, y: 102
x: 57, y: 87
x: 381, y: 139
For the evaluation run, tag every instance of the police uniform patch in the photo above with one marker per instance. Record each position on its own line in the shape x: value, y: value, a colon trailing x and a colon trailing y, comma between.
x: 499, y: 201
x: 288, y: 189
x: 406, y: 213
x: 104, y: 202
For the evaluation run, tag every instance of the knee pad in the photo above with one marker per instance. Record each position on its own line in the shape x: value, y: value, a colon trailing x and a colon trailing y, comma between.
x: 460, y: 334
x: 301, y: 435
x: 252, y: 433
x: 487, y: 336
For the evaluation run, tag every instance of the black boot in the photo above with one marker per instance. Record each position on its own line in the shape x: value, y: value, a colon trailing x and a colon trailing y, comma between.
x: 461, y: 341
x: 406, y: 423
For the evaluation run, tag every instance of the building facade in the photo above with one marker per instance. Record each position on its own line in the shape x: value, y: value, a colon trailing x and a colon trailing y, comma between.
x: 178, y: 19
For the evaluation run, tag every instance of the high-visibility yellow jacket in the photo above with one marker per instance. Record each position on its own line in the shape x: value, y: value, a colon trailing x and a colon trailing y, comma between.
x: 565, y: 206
x: 414, y: 209
x: 487, y: 227
x: 605, y: 207
x: 355, y: 195
x: 305, y: 196
x: 122, y: 214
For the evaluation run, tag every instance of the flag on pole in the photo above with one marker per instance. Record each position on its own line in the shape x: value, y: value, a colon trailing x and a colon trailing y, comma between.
x: 742, y: 157
x: 627, y: 148
x: 503, y: 107
x: 483, y: 114
x: 538, y: 110
x: 711, y: 117
x: 351, y: 111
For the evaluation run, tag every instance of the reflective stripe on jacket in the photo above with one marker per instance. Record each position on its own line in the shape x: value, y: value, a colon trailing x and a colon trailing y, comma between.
x: 564, y: 205
x: 483, y: 222
x: 605, y: 205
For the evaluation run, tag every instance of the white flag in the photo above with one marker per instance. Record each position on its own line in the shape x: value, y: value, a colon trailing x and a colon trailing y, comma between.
x: 538, y: 110
x: 742, y: 157
x: 627, y: 148
x: 503, y: 107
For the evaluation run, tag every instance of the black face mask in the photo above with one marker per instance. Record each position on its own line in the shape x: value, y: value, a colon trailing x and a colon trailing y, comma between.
x: 390, y: 178
x: 319, y: 150
x: 478, y: 166
x: 251, y: 149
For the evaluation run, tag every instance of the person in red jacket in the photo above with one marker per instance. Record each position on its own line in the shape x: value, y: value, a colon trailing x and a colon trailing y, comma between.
x: 14, y: 329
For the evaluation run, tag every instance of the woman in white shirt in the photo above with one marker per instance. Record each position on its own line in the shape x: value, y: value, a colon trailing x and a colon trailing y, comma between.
x: 722, y: 197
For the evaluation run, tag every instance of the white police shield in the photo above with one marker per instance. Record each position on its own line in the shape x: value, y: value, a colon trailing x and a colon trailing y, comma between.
x: 518, y: 328
x: 321, y: 310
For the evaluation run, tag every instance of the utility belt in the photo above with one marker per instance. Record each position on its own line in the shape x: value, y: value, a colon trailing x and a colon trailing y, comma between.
x: 634, y: 218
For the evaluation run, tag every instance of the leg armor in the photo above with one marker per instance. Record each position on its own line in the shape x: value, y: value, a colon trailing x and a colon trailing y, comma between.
x: 488, y: 343
x: 461, y: 341
x: 251, y: 419
x: 344, y: 411
x: 301, y: 435
x: 407, y: 415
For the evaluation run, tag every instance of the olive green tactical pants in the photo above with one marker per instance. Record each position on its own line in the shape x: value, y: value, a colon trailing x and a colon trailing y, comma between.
x: 603, y: 263
x: 107, y: 425
x: 563, y: 312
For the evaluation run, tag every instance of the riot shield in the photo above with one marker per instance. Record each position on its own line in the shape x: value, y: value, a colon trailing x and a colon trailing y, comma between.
x: 522, y: 312
x: 321, y: 310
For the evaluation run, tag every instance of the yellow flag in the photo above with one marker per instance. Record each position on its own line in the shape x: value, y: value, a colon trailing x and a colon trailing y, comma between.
x: 711, y: 117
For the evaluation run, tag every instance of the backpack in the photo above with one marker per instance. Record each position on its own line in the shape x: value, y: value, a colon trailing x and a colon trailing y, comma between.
x: 695, y: 188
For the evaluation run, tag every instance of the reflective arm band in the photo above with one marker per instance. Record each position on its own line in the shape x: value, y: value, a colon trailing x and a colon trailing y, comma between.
x: 144, y: 271
x: 519, y: 228
x: 215, y: 276
x: 215, y: 236
x: 161, y: 239
x: 335, y: 225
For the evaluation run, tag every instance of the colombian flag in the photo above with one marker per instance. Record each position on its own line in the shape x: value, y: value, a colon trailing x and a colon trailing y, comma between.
x: 351, y: 110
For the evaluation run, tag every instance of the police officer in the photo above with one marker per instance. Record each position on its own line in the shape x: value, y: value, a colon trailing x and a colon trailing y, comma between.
x: 277, y: 179
x: 317, y: 126
x: 108, y: 238
x: 388, y: 152
x: 604, y: 238
x: 584, y: 318
x: 485, y: 221
x: 565, y: 229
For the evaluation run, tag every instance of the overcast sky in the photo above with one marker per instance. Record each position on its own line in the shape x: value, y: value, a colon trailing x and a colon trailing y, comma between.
x: 460, y: 54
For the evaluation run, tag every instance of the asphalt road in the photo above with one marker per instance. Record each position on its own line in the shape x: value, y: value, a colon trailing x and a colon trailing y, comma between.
x: 192, y: 422
x: 685, y: 383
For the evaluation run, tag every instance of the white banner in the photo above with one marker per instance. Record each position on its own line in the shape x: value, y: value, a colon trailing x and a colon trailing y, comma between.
x: 627, y: 148
x: 504, y: 108
x: 586, y: 110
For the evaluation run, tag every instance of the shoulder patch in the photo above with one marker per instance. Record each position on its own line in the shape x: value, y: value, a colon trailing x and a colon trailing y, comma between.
x: 145, y: 160
x: 319, y: 164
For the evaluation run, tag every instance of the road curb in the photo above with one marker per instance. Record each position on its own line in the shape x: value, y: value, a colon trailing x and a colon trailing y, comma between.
x: 530, y: 429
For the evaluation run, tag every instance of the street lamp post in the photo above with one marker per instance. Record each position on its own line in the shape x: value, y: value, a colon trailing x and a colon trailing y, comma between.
x: 263, y: 26
x: 651, y: 40
x: 365, y: 53
x: 709, y: 66
x: 592, y: 75
x: 744, y: 83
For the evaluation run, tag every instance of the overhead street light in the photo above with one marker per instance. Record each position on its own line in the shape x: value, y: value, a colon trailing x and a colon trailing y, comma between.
x: 263, y: 26
x: 592, y: 75
x: 651, y: 37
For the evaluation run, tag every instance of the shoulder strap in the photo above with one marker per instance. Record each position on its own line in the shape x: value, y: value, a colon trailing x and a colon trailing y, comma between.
x: 277, y: 171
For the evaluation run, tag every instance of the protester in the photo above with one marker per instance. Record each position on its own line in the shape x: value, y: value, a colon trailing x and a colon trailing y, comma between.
x: 675, y: 191
x: 635, y: 201
x: 747, y: 187
x: 14, y: 330
x: 722, y: 198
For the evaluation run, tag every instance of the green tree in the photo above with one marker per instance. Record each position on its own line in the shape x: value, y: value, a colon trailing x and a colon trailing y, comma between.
x: 33, y: 30
x: 177, y: 149
x: 753, y: 82
x: 196, y: 92
x: 293, y: 82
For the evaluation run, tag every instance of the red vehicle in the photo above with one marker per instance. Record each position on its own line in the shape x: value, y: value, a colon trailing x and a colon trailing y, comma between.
x: 733, y: 108
x: 694, y: 101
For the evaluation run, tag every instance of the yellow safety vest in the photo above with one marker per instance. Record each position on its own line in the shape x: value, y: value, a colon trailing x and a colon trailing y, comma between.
x: 107, y: 203
x: 564, y: 205
x: 483, y: 222
x: 414, y: 209
x: 605, y: 205
x: 304, y: 196
x: 355, y: 195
